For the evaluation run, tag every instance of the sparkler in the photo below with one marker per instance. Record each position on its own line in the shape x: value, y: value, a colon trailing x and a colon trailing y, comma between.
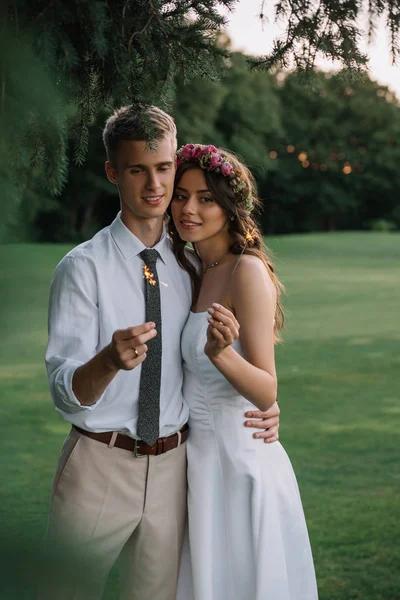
x: 148, y: 275
x: 250, y: 239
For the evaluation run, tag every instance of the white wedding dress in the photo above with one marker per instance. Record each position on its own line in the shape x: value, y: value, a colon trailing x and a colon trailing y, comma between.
x: 247, y: 536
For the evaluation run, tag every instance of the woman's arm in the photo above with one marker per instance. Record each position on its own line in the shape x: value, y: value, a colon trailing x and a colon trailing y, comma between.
x: 254, y: 301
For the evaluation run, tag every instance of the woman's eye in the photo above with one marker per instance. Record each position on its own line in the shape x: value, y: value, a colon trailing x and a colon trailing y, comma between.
x: 206, y: 199
x: 179, y: 197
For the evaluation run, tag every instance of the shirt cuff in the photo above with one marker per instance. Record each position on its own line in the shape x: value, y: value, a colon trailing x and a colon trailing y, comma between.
x: 67, y: 401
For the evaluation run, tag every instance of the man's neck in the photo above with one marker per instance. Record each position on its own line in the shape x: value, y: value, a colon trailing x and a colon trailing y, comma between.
x: 148, y: 231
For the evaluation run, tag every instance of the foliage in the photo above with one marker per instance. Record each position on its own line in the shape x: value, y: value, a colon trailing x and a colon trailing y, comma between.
x: 329, y: 29
x: 338, y: 155
x: 63, y: 62
x: 325, y: 156
x: 383, y: 225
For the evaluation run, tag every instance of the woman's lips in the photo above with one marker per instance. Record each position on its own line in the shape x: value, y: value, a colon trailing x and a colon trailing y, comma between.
x: 189, y: 225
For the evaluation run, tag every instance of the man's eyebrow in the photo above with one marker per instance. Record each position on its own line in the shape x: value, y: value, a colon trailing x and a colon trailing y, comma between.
x: 160, y: 164
x: 178, y: 187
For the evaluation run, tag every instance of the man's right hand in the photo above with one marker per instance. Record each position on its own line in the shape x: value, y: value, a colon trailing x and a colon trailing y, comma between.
x: 91, y: 379
x: 128, y: 347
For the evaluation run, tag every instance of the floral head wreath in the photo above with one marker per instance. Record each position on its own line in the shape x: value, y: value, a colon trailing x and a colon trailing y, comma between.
x: 209, y: 159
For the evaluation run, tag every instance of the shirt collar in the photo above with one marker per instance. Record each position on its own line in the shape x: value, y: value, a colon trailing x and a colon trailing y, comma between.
x: 129, y: 245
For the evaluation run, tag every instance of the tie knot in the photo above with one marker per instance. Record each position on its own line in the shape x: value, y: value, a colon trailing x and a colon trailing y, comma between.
x: 150, y: 256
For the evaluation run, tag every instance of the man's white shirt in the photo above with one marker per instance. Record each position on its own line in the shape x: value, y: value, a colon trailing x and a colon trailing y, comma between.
x: 96, y: 289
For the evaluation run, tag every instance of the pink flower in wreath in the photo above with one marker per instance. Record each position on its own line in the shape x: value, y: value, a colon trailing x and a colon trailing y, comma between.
x: 187, y: 151
x: 211, y: 148
x: 197, y: 151
x: 226, y: 169
x: 216, y: 160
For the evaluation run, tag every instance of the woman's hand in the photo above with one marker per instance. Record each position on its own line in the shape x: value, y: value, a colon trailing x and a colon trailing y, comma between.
x: 222, y: 331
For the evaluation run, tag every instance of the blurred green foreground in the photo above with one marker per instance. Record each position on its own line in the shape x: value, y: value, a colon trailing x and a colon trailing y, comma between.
x: 339, y: 395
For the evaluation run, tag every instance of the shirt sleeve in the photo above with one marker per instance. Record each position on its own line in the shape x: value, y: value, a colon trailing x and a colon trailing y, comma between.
x: 73, y: 327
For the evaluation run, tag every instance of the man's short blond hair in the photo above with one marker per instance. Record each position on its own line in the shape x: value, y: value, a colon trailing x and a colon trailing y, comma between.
x: 138, y: 124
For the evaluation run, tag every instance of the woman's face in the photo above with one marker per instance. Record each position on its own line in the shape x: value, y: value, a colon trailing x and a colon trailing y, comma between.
x: 196, y: 214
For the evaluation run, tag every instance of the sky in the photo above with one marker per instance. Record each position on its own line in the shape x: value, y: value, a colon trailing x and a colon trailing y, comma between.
x: 248, y: 34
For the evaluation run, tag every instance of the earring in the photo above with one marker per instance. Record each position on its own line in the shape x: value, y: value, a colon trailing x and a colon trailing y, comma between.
x: 232, y: 218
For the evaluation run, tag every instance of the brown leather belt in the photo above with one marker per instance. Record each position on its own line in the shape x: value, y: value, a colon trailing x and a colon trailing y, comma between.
x: 138, y: 447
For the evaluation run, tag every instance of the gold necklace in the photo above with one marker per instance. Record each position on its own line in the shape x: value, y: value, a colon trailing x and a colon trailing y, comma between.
x: 215, y: 263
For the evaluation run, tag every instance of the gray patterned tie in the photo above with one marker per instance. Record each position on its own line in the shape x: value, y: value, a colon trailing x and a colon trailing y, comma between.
x: 148, y: 428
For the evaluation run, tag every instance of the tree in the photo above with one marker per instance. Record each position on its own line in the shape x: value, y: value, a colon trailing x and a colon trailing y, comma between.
x: 55, y: 56
x: 338, y: 156
x: 330, y: 29
x: 60, y: 62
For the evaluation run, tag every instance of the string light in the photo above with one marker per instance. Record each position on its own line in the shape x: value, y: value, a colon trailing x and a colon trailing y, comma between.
x: 290, y: 149
x: 273, y: 154
x: 347, y: 169
x: 305, y: 164
x: 302, y: 156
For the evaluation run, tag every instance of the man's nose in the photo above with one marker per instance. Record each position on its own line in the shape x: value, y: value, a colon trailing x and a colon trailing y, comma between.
x: 153, y: 181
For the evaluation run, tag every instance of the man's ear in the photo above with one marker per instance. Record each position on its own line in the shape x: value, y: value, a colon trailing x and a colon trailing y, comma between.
x: 110, y: 172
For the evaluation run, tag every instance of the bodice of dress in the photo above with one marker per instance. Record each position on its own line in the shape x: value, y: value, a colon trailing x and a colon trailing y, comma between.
x: 205, y: 388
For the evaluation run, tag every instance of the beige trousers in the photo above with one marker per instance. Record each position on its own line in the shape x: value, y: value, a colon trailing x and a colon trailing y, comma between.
x: 106, y: 503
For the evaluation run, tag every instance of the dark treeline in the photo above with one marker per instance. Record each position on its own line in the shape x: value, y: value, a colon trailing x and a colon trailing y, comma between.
x: 325, y: 154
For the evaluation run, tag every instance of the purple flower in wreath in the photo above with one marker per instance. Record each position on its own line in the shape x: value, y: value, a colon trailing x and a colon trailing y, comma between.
x: 226, y: 169
x: 187, y: 151
x: 216, y: 160
x: 197, y: 151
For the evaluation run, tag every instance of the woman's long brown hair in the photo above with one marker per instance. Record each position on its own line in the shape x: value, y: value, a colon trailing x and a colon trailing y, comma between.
x: 240, y: 226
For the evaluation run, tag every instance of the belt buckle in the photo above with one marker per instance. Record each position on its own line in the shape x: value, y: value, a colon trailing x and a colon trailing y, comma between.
x: 135, y: 452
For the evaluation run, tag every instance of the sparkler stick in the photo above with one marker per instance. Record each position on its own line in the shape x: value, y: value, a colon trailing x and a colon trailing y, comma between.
x: 250, y: 239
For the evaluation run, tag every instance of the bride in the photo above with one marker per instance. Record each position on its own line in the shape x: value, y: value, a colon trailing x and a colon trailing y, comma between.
x: 247, y: 533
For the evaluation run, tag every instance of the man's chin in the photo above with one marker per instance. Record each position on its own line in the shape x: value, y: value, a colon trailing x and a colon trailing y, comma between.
x: 154, y: 212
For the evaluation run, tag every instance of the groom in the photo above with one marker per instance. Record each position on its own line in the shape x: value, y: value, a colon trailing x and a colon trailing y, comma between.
x: 115, y: 371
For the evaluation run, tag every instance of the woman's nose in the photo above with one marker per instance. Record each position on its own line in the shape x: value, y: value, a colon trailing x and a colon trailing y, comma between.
x: 189, y: 207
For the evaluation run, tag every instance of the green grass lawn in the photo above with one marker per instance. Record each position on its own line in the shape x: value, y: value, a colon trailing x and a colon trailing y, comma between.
x: 339, y: 394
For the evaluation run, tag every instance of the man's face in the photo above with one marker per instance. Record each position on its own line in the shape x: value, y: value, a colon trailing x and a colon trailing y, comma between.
x: 145, y: 179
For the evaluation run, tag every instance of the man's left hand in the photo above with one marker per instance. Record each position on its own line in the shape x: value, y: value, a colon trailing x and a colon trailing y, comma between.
x: 266, y: 421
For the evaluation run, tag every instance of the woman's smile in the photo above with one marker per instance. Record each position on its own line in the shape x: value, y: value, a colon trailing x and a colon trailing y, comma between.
x: 189, y: 225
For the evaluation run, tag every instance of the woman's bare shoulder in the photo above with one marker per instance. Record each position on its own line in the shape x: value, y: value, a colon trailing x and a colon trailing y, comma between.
x: 251, y: 267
